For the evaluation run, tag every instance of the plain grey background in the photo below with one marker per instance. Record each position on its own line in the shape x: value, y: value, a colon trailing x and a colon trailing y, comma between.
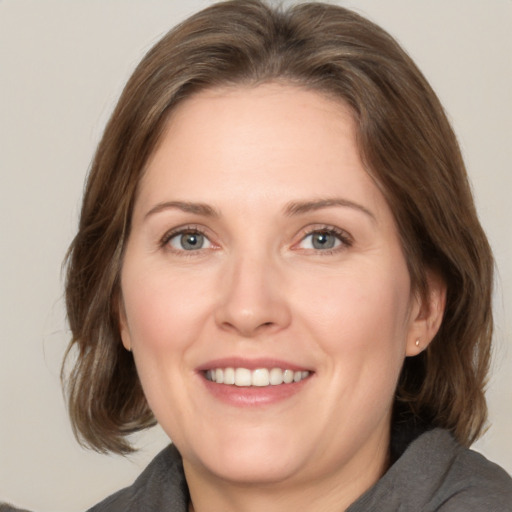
x: 62, y: 66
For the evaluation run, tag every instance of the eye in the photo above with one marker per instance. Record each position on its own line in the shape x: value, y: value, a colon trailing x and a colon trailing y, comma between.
x: 324, y: 240
x: 190, y: 240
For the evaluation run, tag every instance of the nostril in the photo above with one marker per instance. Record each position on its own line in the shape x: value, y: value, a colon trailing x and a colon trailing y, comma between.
x: 251, y: 312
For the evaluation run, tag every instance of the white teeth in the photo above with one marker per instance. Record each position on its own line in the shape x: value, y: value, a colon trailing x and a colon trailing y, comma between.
x: 260, y: 377
x: 242, y: 377
x: 288, y: 376
x: 229, y: 376
x: 276, y: 376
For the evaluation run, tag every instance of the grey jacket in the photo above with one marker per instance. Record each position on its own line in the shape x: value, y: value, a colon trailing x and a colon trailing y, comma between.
x: 434, y: 473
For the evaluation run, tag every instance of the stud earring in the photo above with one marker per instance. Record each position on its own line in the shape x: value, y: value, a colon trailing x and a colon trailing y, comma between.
x: 417, y: 343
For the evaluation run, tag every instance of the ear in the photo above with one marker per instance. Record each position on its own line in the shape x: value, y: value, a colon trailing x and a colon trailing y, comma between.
x: 426, y: 315
x: 124, y: 331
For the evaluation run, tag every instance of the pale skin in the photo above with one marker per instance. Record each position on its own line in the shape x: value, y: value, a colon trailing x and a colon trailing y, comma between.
x: 257, y: 235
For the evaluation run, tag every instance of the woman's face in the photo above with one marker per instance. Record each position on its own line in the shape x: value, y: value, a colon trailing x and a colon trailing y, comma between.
x: 261, y: 251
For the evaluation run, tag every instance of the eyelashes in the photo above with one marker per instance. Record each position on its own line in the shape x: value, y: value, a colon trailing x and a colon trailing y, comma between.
x: 319, y: 239
x: 186, y: 239
x: 325, y: 240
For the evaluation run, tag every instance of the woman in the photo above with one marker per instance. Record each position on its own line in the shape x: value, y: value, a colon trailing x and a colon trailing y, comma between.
x: 279, y: 260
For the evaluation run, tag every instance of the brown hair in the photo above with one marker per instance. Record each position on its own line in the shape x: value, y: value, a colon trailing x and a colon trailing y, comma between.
x: 405, y: 141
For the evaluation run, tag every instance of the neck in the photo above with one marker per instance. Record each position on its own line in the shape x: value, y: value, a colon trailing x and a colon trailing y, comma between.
x: 331, y: 493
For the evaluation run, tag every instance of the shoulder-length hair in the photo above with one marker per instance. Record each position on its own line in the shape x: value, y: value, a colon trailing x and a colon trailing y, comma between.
x: 405, y: 142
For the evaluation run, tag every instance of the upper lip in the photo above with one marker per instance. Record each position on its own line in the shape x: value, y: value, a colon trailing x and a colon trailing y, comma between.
x: 251, y: 364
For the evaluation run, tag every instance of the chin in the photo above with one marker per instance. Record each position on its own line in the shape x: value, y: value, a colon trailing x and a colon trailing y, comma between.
x: 252, y: 459
x: 266, y: 470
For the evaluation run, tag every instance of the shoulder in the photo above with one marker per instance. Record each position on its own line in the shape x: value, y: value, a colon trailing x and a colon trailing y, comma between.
x: 474, y: 483
x: 437, y: 474
x: 462, y: 480
x: 161, y: 486
x: 5, y: 507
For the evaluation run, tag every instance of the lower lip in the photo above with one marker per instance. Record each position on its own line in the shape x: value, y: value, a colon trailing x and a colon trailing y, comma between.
x: 253, y: 396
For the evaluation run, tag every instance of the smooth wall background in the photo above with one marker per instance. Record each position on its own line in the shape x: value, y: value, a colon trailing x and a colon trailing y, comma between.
x: 62, y: 66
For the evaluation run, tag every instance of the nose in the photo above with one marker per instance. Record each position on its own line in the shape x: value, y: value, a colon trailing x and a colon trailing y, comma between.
x: 253, y: 299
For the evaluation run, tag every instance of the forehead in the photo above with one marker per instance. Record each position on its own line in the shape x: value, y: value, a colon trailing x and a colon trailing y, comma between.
x: 276, y: 138
x: 268, y: 116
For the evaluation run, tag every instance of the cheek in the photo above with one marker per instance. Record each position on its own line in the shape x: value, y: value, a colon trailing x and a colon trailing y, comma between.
x: 362, y: 324
x: 360, y: 314
x: 164, y: 318
x: 163, y: 312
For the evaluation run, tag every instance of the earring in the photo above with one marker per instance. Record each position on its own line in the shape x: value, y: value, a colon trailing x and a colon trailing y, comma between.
x: 417, y: 343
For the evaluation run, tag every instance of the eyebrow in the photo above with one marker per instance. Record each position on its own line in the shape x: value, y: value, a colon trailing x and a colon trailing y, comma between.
x: 301, y: 207
x: 196, y: 208
x: 293, y: 208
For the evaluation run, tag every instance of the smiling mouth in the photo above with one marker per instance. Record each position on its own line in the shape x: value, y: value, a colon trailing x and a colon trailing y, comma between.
x: 260, y: 377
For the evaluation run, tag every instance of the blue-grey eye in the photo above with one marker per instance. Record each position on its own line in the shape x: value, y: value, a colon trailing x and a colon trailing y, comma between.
x: 320, y: 240
x: 189, y: 241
